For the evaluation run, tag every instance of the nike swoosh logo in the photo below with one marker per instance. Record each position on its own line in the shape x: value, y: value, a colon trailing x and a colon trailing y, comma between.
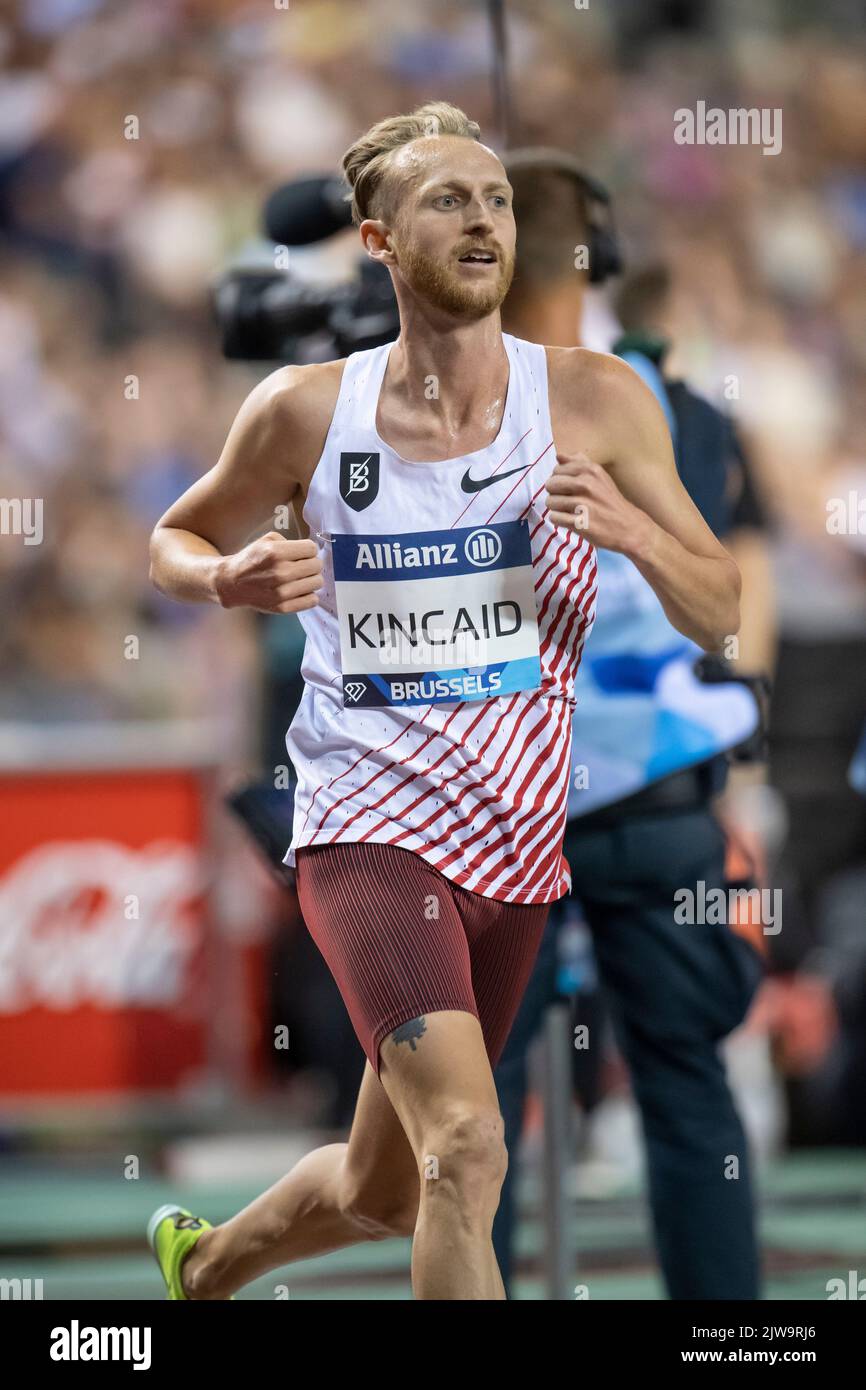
x: 469, y: 484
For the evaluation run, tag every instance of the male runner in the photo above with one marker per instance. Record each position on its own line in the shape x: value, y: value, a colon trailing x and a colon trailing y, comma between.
x: 450, y: 489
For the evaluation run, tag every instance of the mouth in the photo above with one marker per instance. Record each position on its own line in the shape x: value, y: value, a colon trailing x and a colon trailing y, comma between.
x: 478, y: 258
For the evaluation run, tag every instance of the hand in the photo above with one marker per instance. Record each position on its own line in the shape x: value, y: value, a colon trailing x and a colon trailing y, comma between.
x: 271, y: 575
x: 582, y: 497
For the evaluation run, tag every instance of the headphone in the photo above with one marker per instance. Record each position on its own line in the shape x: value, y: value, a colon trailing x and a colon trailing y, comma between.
x: 605, y: 252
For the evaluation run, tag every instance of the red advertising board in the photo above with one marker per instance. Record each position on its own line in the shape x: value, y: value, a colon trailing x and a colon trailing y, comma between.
x: 104, y: 932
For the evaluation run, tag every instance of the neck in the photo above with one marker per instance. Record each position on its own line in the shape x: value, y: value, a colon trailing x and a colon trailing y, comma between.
x: 462, y: 366
x: 552, y: 315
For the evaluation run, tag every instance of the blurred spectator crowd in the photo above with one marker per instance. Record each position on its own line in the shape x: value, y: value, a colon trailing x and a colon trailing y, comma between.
x: 112, y: 392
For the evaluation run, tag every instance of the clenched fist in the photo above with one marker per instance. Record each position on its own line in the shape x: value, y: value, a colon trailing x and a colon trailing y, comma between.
x: 582, y: 496
x: 271, y: 575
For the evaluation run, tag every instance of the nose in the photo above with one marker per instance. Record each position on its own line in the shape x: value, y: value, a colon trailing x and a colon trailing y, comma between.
x: 478, y: 216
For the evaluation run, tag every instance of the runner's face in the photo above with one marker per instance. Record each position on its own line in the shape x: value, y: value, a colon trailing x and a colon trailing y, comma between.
x: 456, y: 199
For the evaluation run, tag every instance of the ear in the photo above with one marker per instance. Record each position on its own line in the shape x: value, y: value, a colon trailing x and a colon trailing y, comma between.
x: 376, y: 236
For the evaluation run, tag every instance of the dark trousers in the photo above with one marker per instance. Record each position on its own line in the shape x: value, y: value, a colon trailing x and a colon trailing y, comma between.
x: 673, y: 992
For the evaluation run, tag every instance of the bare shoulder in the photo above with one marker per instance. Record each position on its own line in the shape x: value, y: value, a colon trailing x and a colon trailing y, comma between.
x: 594, y: 398
x: 301, y: 396
x: 284, y: 420
x: 580, y: 373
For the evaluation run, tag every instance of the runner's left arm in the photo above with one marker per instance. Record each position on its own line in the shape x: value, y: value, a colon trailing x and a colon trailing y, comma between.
x: 633, y: 501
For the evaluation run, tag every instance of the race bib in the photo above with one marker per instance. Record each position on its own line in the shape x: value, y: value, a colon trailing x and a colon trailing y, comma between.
x: 428, y: 617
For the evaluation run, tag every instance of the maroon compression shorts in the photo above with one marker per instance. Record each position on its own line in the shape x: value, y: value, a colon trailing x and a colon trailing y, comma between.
x: 402, y: 940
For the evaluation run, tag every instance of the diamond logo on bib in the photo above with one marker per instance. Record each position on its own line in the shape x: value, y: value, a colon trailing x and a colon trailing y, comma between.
x: 430, y: 617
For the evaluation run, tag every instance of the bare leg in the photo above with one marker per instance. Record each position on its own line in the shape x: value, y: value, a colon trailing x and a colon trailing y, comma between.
x: 437, y: 1075
x: 337, y: 1195
x: 369, y: 1188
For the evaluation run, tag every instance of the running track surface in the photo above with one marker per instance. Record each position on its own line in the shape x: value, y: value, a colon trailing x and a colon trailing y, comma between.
x: 82, y: 1233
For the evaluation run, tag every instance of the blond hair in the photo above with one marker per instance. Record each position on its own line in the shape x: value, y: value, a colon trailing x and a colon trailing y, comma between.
x: 365, y: 163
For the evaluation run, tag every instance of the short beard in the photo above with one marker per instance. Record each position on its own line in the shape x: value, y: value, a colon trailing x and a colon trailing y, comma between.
x: 433, y: 282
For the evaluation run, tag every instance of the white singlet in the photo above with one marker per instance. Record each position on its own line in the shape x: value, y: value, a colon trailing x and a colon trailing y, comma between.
x: 440, y: 660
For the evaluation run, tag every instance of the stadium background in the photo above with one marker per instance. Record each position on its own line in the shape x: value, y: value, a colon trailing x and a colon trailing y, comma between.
x: 147, y: 960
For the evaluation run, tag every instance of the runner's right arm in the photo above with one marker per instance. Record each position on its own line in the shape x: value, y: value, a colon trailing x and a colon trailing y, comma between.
x: 200, y: 549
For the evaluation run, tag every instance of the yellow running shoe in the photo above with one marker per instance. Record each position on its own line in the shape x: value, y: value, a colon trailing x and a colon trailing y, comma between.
x: 171, y: 1233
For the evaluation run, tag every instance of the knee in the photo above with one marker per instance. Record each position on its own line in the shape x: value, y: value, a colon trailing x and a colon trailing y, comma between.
x: 465, y: 1154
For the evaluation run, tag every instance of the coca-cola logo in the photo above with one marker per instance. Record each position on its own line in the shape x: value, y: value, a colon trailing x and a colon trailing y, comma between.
x: 96, y: 922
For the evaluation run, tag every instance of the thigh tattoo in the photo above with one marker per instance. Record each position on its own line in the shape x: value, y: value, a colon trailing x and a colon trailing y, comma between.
x: 410, y: 1032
